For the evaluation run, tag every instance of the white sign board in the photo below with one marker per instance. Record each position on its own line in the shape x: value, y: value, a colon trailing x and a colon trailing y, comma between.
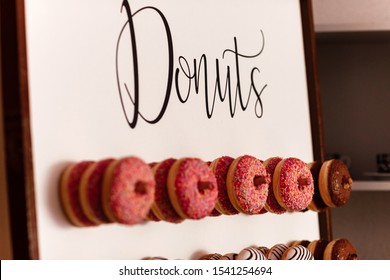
x: 159, y: 79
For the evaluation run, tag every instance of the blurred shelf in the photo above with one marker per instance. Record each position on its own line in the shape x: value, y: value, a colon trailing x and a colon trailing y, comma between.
x: 377, y: 175
x: 371, y: 185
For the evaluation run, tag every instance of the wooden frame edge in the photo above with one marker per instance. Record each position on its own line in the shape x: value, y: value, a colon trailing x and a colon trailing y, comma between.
x: 17, y: 134
x: 316, y: 117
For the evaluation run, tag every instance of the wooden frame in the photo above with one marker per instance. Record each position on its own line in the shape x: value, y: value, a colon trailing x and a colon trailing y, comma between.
x: 17, y: 140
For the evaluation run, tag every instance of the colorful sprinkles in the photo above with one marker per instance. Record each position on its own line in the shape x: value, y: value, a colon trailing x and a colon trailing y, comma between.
x: 130, y: 191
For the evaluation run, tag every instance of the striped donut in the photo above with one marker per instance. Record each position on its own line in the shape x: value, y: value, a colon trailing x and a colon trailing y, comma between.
x: 276, y: 252
x: 298, y: 252
x: 250, y: 253
x: 229, y: 257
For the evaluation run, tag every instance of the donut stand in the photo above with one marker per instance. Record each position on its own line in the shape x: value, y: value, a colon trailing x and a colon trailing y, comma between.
x: 156, y: 80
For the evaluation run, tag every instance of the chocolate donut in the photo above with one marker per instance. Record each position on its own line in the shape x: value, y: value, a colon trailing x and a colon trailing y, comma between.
x: 317, y: 204
x: 317, y: 248
x: 335, y: 183
x: 340, y: 249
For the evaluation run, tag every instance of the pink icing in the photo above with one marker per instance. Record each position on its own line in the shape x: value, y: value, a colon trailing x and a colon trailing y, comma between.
x: 132, y: 190
x: 220, y: 170
x: 272, y: 204
x: 296, y: 187
x: 74, y: 194
x: 161, y: 198
x: 94, y: 190
x: 195, y: 188
x: 250, y: 197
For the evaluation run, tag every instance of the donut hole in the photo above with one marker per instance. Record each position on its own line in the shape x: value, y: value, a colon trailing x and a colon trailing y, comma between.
x: 259, y: 180
x: 303, y: 183
x: 140, y: 188
x: 204, y: 186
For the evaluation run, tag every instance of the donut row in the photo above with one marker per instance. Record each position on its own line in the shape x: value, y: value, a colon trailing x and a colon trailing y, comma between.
x: 338, y: 249
x: 130, y: 191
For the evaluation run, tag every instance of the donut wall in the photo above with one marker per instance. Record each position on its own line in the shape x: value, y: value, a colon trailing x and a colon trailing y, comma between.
x: 163, y: 79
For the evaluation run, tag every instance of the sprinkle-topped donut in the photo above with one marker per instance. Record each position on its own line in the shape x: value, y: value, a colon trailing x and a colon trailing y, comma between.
x: 91, y: 185
x: 293, y: 184
x: 335, y: 183
x: 192, y: 188
x: 272, y: 204
x: 247, y: 184
x: 128, y: 190
x: 162, y: 206
x: 70, y: 196
x: 220, y: 167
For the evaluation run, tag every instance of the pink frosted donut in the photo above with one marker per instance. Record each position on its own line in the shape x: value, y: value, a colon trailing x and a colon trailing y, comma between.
x: 272, y: 204
x: 247, y: 184
x: 192, y: 188
x: 293, y: 184
x: 215, y: 213
x: 151, y: 216
x: 70, y: 195
x: 220, y: 167
x: 162, y: 206
x: 128, y: 190
x: 91, y: 185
